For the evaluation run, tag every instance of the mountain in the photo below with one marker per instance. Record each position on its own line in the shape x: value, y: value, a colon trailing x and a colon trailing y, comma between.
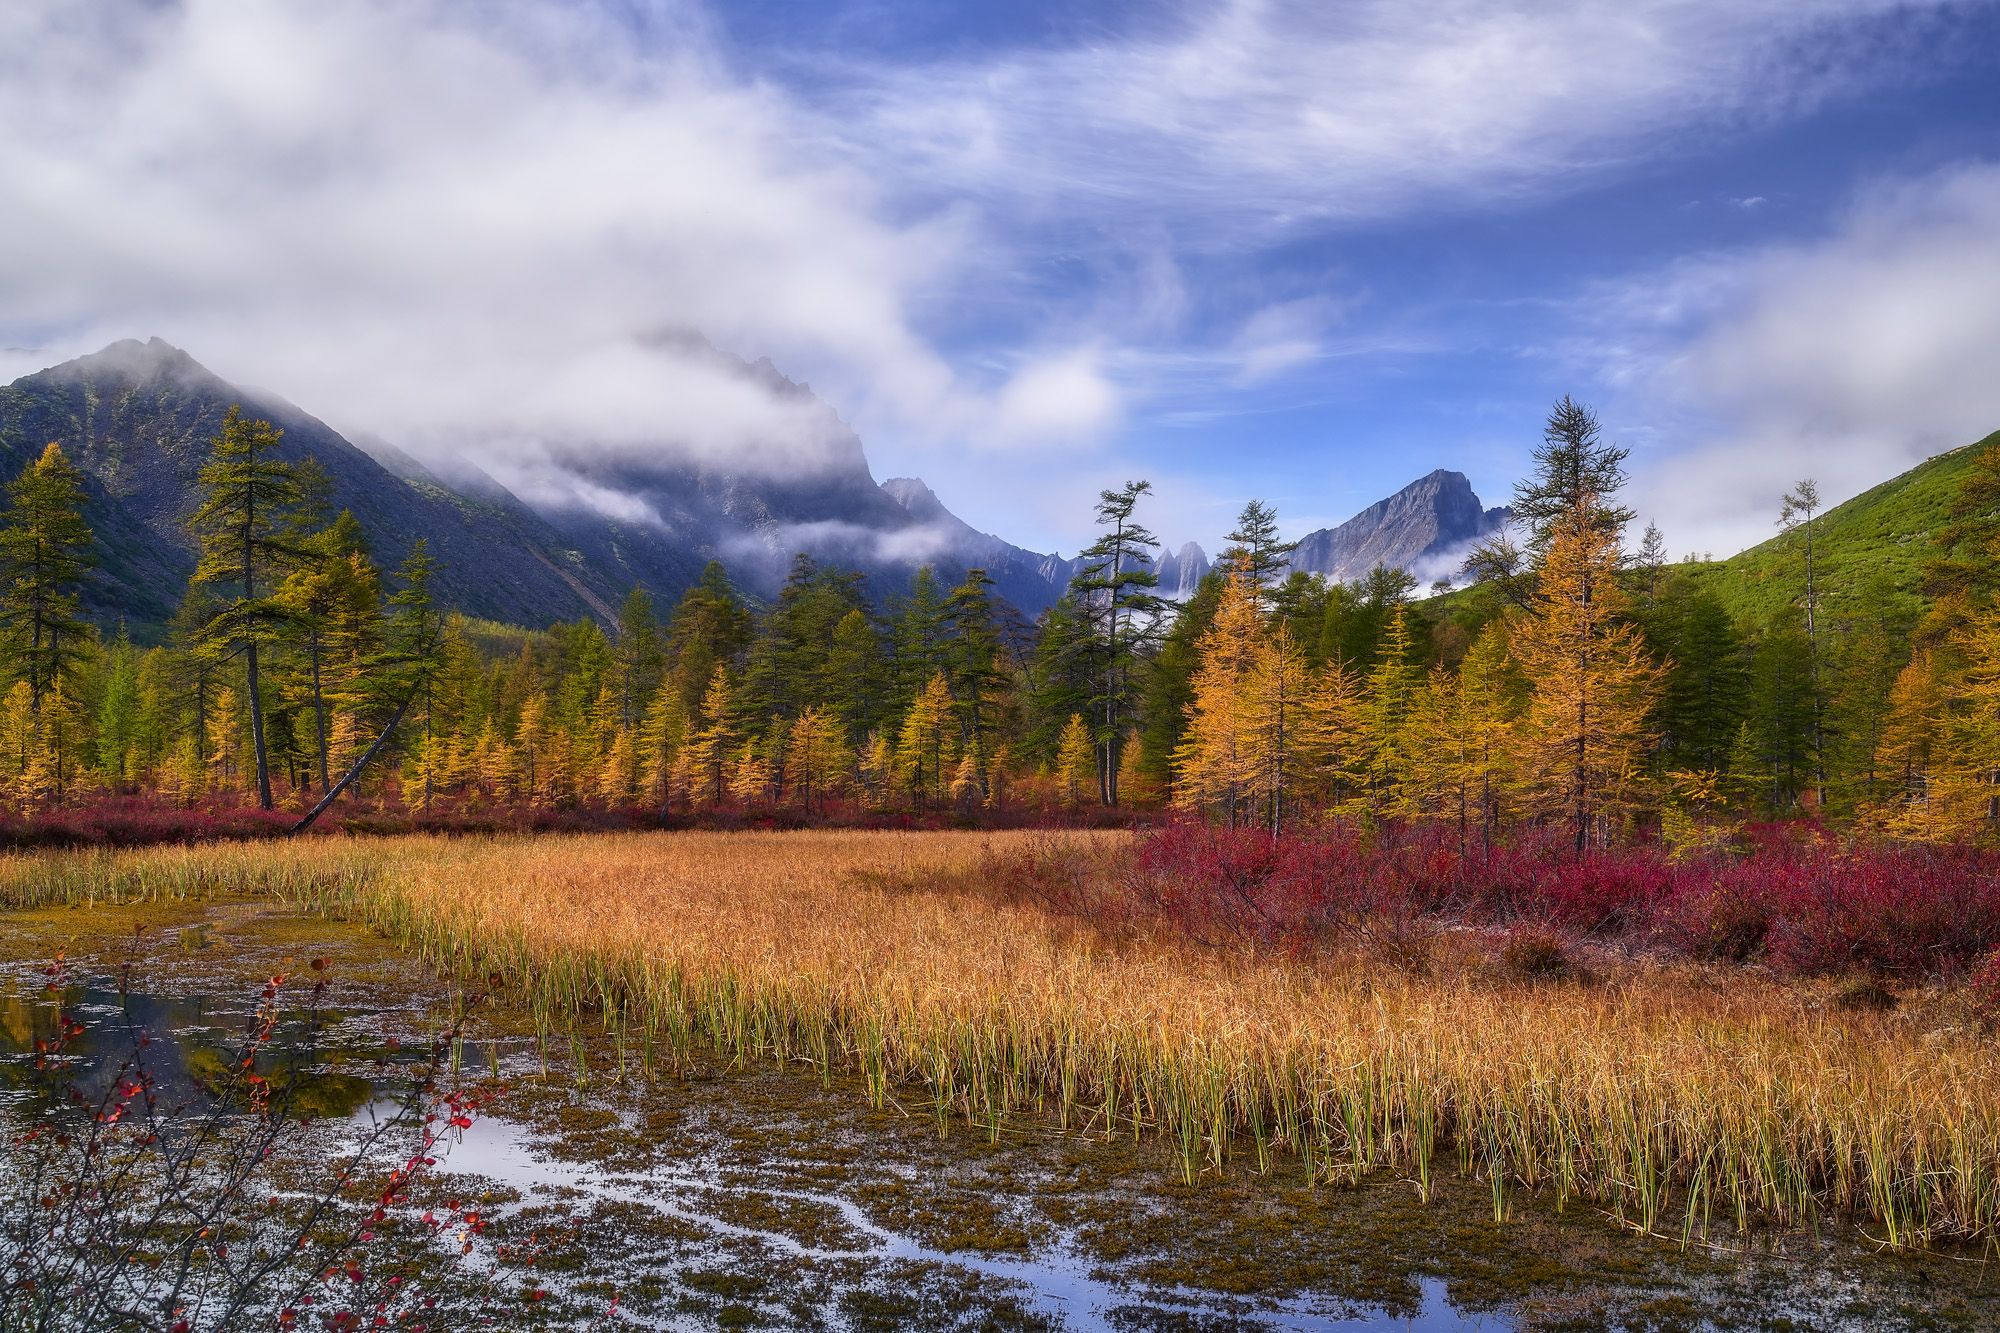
x: 1028, y: 580
x: 1182, y: 571
x: 137, y: 419
x: 1424, y: 528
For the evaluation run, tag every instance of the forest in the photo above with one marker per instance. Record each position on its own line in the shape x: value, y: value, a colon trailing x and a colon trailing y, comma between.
x: 1580, y: 684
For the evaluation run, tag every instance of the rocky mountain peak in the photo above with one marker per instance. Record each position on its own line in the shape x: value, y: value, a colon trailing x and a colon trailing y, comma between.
x: 1423, y: 528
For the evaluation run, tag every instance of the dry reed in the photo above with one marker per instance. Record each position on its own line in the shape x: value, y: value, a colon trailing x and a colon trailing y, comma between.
x: 1669, y: 1101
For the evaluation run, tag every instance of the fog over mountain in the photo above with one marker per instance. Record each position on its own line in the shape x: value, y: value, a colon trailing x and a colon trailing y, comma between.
x: 556, y: 535
x: 565, y: 531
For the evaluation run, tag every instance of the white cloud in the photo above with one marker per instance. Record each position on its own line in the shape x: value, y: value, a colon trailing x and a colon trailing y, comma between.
x: 448, y: 224
x: 1848, y: 357
x: 450, y: 227
x: 1276, y: 112
x: 1282, y: 337
x: 1066, y: 397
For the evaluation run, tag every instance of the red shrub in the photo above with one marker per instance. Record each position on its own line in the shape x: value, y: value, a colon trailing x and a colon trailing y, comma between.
x: 1794, y: 896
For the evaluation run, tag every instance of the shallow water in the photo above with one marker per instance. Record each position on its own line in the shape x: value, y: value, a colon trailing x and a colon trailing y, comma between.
x: 759, y: 1196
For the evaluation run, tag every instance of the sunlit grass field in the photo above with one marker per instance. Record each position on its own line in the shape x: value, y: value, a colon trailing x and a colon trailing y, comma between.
x: 1679, y: 1098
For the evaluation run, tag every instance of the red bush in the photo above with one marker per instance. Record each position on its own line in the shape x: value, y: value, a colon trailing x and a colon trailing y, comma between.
x: 1795, y: 899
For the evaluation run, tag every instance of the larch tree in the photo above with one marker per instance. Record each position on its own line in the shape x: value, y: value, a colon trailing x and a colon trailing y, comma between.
x: 1574, y: 469
x: 332, y: 600
x: 1217, y: 760
x: 926, y: 744
x: 1278, y: 687
x: 819, y: 756
x: 415, y: 647
x: 1392, y: 693
x: 1114, y: 591
x: 1332, y: 736
x: 708, y: 747
x: 1576, y: 473
x: 249, y: 542
x: 45, y: 552
x: 1798, y: 516
x: 662, y: 732
x: 1585, y: 734
x: 1075, y: 759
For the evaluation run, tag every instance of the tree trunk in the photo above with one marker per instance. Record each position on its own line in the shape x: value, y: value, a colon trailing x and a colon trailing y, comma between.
x: 257, y: 729
x: 319, y: 717
x: 348, y: 778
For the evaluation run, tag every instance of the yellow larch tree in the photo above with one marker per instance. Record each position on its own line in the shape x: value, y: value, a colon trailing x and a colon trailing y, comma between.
x: 818, y: 757
x: 1332, y: 739
x: 1275, y: 710
x: 1076, y: 760
x: 224, y: 741
x: 927, y: 744
x: 749, y: 776
x: 710, y: 742
x: 1584, y: 735
x: 1216, y: 762
x: 662, y: 732
x: 1460, y: 726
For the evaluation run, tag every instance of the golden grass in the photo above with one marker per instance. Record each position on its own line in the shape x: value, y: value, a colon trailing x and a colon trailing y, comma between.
x: 1670, y: 1097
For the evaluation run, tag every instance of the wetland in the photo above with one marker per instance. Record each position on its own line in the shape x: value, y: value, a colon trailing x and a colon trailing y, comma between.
x: 714, y: 1191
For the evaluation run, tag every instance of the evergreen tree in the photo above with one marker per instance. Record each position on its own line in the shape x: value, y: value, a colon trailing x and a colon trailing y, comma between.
x: 1706, y: 684
x: 973, y: 666
x: 1592, y: 684
x: 1775, y: 748
x: 245, y: 521
x: 45, y: 551
x: 853, y: 686
x: 710, y: 628
x: 1255, y: 543
x: 919, y: 630
x: 1113, y: 592
x: 639, y: 656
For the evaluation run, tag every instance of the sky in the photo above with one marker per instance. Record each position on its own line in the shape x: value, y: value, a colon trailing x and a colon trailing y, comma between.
x: 1301, y: 252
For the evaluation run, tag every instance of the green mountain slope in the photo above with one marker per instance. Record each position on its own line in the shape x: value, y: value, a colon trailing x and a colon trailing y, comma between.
x: 1884, y: 533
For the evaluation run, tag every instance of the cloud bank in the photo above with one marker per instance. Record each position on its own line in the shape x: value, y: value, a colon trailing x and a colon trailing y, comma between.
x: 454, y: 227
x: 1847, y: 357
x: 459, y: 226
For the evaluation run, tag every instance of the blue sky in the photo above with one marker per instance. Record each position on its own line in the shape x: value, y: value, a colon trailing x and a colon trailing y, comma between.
x: 1246, y: 248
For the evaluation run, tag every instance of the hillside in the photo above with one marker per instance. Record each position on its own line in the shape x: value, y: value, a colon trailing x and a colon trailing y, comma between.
x: 137, y: 418
x: 1883, y: 533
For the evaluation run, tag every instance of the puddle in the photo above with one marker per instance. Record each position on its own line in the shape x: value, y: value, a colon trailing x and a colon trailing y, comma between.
x: 1059, y: 1284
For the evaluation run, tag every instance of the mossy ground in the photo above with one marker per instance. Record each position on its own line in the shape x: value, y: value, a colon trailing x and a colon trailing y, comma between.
x: 761, y: 1196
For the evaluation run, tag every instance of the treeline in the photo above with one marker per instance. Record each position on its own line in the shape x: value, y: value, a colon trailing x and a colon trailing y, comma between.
x: 1582, y: 683
x: 1574, y: 683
